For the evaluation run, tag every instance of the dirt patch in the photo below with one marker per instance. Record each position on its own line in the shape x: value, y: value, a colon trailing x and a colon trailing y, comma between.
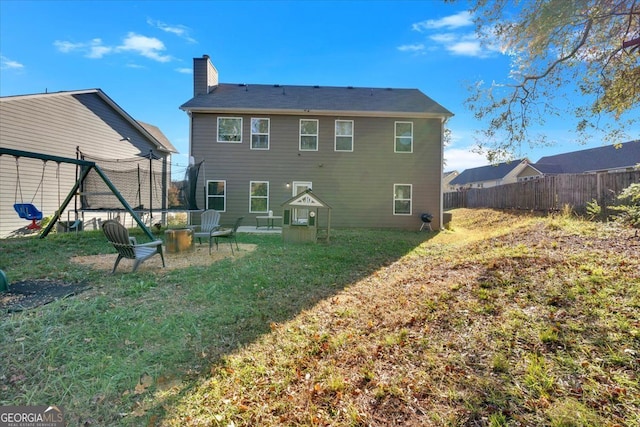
x: 199, y: 257
x: 34, y: 293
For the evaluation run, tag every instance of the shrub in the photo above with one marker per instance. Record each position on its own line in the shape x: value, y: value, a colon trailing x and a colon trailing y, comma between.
x: 628, y: 211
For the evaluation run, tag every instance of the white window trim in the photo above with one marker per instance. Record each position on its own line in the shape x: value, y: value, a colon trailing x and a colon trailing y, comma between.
x: 295, y: 184
x: 223, y: 197
x: 258, y: 197
x: 218, y: 130
x: 317, y: 134
x: 395, y: 137
x: 395, y: 200
x: 335, y: 140
x: 268, y: 133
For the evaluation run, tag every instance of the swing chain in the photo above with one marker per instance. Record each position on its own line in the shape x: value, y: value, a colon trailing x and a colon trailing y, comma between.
x: 19, y: 184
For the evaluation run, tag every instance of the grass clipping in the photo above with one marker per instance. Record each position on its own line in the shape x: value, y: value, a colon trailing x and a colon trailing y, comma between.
x: 506, y: 320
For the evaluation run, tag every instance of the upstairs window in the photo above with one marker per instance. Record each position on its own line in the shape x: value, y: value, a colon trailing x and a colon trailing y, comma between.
x: 260, y: 134
x: 258, y: 196
x: 402, y: 199
x: 230, y: 129
x: 404, y: 137
x: 217, y: 195
x: 308, y: 135
x: 344, y: 135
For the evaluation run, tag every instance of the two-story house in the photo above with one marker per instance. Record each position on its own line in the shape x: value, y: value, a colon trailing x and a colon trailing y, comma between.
x: 374, y: 155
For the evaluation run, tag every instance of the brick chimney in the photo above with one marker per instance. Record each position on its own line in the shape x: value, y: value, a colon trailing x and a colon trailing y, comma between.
x: 205, y: 76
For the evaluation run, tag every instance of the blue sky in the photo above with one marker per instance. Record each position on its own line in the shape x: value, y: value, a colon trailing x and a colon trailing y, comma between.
x: 140, y: 54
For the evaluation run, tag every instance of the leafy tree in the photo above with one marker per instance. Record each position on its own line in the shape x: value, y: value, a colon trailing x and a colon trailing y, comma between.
x: 590, y: 46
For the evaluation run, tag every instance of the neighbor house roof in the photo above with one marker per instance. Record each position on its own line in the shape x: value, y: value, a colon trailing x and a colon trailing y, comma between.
x: 608, y: 157
x: 160, y: 144
x: 159, y: 136
x: 243, y: 98
x: 486, y: 173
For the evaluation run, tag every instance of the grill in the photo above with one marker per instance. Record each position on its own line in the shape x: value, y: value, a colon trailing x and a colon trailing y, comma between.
x: 426, y: 221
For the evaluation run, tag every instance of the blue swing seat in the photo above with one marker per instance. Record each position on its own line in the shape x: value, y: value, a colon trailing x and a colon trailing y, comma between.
x: 29, y: 212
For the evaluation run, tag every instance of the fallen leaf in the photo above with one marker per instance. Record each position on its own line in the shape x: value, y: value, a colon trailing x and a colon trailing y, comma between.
x: 144, y: 383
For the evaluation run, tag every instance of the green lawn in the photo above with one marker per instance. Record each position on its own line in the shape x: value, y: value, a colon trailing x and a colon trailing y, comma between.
x: 507, y: 319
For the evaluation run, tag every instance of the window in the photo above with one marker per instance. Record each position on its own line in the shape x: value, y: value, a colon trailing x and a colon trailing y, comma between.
x: 308, y: 135
x: 258, y: 196
x: 344, y: 135
x: 259, y: 134
x: 402, y: 199
x: 404, y: 137
x: 230, y: 129
x: 217, y: 195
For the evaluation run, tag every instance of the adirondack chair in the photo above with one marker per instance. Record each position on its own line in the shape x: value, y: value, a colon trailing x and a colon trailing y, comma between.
x: 127, y: 247
x: 209, y: 223
x: 227, y: 233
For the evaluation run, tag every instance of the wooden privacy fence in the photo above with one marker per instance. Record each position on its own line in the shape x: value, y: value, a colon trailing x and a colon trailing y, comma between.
x: 548, y: 193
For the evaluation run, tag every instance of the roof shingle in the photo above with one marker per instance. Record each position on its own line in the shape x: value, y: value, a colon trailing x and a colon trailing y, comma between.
x: 603, y: 158
x: 230, y: 97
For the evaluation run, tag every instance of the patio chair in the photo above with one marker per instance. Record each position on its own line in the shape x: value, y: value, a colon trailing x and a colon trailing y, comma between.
x: 227, y: 233
x: 127, y: 247
x: 209, y: 223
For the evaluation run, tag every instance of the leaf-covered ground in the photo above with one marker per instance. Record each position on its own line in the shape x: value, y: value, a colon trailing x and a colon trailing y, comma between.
x: 508, y: 319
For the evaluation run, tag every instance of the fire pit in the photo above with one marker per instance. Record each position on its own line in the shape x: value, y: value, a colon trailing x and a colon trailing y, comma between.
x: 179, y: 240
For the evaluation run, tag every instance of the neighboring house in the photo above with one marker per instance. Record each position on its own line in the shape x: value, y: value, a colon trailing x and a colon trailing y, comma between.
x: 65, y: 124
x: 490, y: 176
x: 447, y: 177
x: 375, y: 155
x: 609, y: 158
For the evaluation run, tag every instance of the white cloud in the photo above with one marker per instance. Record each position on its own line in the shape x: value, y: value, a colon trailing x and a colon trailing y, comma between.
x: 460, y: 19
x: 417, y: 47
x: 149, y: 47
x: 179, y: 30
x: 445, y: 33
x: 184, y: 70
x: 97, y: 50
x: 467, y: 48
x: 9, y: 64
x: 66, y: 47
x: 459, y: 159
x: 464, y: 44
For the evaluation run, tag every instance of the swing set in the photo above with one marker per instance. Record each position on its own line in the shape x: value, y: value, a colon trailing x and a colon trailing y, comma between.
x: 29, y: 211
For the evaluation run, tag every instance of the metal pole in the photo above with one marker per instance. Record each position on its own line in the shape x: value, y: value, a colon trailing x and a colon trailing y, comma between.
x: 150, y: 187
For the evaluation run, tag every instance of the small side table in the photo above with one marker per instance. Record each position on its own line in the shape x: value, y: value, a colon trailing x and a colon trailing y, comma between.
x: 269, y: 220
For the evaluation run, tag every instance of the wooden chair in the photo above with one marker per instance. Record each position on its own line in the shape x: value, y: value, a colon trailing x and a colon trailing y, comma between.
x: 227, y: 233
x: 209, y: 223
x: 127, y: 247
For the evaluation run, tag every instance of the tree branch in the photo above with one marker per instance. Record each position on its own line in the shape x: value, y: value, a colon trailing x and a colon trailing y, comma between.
x: 558, y: 61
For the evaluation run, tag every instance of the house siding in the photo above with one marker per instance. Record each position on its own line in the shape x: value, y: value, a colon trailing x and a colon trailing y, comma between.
x: 357, y: 185
x: 55, y: 124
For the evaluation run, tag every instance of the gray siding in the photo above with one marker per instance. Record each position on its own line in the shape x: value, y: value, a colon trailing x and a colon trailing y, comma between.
x: 358, y: 185
x: 56, y: 124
